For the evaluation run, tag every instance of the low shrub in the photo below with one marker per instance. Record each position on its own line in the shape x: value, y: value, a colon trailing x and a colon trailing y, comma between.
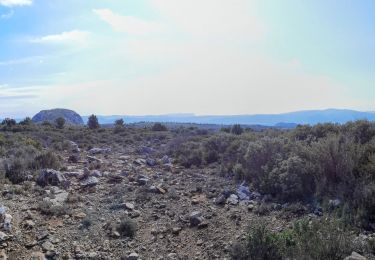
x: 127, y: 228
x: 307, y: 239
x: 158, y: 127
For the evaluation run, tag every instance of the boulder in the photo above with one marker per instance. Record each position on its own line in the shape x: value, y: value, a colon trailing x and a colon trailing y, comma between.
x: 3, y: 237
x: 150, y: 162
x: 166, y: 160
x: 196, y: 218
x: 243, y: 192
x: 355, y: 256
x: 88, y: 182
x: 334, y: 203
x: 133, y: 256
x: 53, y: 178
x: 94, y: 151
x: 7, y: 222
x: 233, y: 199
x: 74, y: 147
x: 143, y: 180
x: 220, y: 200
x: 37, y: 256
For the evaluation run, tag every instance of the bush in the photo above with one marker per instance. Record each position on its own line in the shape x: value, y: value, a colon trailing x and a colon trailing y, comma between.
x: 26, y: 121
x: 119, y: 126
x: 260, y: 244
x: 326, y: 239
x: 15, y: 170
x: 158, y: 127
x: 46, y: 160
x: 119, y: 122
x: 60, y: 122
x: 9, y: 122
x: 236, y: 129
x: 93, y: 122
x: 127, y: 228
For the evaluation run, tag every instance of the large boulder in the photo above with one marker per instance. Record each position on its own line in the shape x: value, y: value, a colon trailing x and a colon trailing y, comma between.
x: 71, y: 117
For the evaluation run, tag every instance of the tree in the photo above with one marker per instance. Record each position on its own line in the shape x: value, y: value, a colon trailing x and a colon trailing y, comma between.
x: 119, y: 126
x: 119, y: 122
x: 60, y: 122
x: 9, y: 122
x: 26, y: 121
x: 237, y: 129
x: 93, y: 122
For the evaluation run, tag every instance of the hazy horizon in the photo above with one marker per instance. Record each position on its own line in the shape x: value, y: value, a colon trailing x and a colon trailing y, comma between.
x: 207, y: 57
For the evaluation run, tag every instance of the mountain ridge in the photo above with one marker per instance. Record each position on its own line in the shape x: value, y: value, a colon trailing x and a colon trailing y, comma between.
x: 311, y: 117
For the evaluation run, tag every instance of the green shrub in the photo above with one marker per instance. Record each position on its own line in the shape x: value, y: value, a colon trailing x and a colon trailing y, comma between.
x: 260, y: 244
x: 93, y: 122
x: 60, y: 122
x: 236, y: 129
x: 158, y: 127
x: 307, y: 239
x: 46, y: 160
x: 16, y: 170
x: 26, y: 121
x: 127, y: 228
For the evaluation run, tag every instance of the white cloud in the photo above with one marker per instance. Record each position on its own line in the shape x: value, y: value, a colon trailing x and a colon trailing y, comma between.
x: 75, y: 36
x: 7, y: 15
x: 10, y: 3
x: 128, y: 24
x: 226, y: 19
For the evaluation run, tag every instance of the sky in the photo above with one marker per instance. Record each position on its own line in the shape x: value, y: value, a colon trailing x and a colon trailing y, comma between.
x: 209, y: 57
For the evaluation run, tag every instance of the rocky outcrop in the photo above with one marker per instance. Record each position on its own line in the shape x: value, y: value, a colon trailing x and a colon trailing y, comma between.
x: 70, y: 116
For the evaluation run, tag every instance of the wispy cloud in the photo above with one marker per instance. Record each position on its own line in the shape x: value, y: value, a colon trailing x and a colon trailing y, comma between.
x: 10, y: 3
x: 128, y: 24
x: 7, y: 15
x: 75, y: 36
x: 17, y: 97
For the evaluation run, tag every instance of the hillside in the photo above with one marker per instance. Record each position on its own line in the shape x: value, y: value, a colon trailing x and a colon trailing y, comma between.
x: 138, y: 193
x: 70, y: 116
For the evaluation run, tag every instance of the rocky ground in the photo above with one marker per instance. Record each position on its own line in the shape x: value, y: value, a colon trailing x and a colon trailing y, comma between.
x: 130, y: 204
x: 77, y: 213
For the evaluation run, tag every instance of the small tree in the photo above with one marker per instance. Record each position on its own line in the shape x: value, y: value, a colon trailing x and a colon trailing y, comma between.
x: 237, y: 129
x: 60, y: 122
x: 119, y: 122
x: 93, y: 122
x: 9, y: 122
x: 119, y: 126
x: 26, y: 121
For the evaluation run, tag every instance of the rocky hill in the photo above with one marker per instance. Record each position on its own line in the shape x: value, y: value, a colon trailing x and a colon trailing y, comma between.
x: 70, y: 116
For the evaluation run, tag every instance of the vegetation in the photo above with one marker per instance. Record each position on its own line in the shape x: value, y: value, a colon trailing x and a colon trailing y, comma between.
x: 159, y: 127
x: 127, y: 228
x: 60, y: 122
x: 305, y: 240
x: 304, y: 168
x: 93, y: 122
x: 310, y: 164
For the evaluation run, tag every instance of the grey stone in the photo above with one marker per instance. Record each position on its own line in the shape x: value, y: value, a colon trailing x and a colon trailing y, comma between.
x: 233, y: 199
x: 355, y: 256
x: 133, y: 256
x: 94, y: 151
x: 53, y: 178
x: 90, y: 181
x: 196, y: 218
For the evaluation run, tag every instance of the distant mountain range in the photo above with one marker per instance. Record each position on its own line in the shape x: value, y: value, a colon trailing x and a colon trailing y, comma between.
x: 285, y: 120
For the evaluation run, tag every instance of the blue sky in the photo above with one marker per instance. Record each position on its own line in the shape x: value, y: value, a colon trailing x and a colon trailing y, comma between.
x: 175, y: 56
